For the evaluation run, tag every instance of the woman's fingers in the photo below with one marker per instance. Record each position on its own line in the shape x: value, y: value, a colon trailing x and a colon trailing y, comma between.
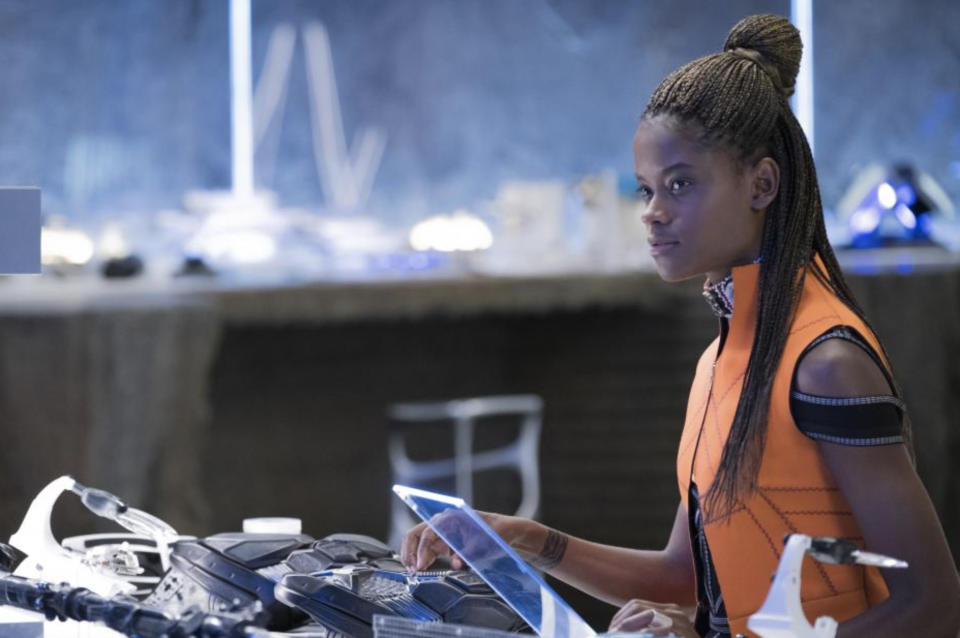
x: 408, y: 548
x: 421, y: 545
x: 635, y: 621
x: 653, y: 617
x: 630, y: 608
x: 429, y: 548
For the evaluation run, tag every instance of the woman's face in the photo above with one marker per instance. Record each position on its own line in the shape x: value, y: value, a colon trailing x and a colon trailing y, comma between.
x: 700, y: 212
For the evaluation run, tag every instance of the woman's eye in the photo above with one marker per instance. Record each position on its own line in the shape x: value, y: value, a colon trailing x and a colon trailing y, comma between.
x: 678, y: 185
x: 644, y: 193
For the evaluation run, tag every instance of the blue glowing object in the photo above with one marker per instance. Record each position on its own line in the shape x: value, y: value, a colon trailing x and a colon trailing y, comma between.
x: 906, y: 194
x: 889, y: 213
x: 864, y: 221
x: 886, y: 195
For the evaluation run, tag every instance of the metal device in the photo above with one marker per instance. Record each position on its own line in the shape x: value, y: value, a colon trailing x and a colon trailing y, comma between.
x: 781, y: 615
x: 127, y: 616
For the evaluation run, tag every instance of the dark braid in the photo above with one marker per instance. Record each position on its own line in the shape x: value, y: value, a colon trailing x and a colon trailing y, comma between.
x: 737, y: 100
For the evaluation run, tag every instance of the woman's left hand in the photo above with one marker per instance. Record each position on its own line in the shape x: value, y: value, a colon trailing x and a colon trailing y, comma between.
x: 656, y: 619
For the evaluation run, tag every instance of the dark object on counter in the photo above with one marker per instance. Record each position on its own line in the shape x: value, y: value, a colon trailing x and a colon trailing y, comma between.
x: 229, y: 571
x: 10, y: 557
x: 122, y: 267
x: 339, y: 550
x: 346, y: 600
x: 195, y: 266
x: 339, y: 582
x: 128, y: 617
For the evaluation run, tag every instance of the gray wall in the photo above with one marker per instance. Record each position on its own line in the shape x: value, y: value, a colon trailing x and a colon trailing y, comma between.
x: 117, y: 107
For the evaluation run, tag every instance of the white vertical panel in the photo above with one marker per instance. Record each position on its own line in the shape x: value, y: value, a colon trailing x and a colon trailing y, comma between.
x: 801, y: 14
x: 241, y: 99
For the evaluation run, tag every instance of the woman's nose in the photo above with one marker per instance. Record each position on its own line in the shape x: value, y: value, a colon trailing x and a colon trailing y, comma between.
x: 655, y: 212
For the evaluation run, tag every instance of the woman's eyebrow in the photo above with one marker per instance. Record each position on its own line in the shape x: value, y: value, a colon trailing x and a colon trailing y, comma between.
x: 672, y: 167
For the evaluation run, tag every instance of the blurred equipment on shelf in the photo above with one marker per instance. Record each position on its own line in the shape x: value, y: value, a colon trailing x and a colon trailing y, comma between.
x: 529, y: 236
x: 464, y: 417
x: 458, y: 231
x: 65, y: 248
x: 895, y: 206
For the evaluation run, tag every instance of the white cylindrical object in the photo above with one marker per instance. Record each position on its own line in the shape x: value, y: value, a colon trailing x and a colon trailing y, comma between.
x: 801, y: 14
x: 272, y: 525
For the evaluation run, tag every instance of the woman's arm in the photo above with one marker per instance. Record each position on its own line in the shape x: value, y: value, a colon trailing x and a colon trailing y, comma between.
x: 612, y: 574
x: 897, y: 518
x: 890, y: 505
x: 618, y: 574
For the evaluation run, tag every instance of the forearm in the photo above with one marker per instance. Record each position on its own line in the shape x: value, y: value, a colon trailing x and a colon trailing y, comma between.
x: 612, y: 574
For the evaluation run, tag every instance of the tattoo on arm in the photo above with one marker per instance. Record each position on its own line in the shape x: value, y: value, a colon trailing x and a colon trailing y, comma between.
x: 552, y: 553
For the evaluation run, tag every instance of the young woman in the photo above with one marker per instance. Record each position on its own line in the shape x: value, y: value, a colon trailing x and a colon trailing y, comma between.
x: 794, y: 422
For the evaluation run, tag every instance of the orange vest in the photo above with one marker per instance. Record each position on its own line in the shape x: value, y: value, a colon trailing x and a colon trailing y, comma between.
x: 796, y: 492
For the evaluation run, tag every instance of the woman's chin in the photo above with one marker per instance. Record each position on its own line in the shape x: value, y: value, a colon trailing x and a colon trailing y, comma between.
x: 669, y: 275
x: 674, y: 275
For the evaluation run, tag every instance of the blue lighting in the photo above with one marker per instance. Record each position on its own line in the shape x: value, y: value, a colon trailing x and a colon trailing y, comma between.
x: 906, y: 194
x: 894, y: 211
x: 886, y: 196
x: 906, y: 217
x: 864, y: 220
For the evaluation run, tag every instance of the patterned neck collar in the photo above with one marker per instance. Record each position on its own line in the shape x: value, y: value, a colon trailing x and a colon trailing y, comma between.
x: 719, y: 294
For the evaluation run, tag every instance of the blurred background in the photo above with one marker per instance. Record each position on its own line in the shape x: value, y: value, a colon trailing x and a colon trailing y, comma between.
x: 436, y: 203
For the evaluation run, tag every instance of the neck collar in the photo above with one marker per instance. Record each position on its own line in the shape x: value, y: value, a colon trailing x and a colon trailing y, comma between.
x: 720, y: 295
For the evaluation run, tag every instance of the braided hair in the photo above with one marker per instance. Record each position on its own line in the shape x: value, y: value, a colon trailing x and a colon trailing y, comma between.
x: 737, y: 100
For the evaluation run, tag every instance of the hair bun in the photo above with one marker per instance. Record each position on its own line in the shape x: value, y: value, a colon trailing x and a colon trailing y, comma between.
x: 772, y: 42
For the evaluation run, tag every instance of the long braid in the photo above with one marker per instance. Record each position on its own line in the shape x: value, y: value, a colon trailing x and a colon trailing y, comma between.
x: 737, y: 100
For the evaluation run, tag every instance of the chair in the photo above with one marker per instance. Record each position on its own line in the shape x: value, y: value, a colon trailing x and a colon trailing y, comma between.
x: 463, y: 414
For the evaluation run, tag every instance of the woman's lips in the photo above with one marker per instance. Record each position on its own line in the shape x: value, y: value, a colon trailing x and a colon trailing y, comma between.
x: 660, y: 247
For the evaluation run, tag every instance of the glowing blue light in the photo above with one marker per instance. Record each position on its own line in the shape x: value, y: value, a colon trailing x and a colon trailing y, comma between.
x: 906, y: 194
x: 886, y: 195
x: 906, y: 217
x: 864, y: 220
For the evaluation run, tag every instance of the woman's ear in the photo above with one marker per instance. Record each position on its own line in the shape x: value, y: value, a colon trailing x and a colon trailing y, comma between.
x: 765, y: 183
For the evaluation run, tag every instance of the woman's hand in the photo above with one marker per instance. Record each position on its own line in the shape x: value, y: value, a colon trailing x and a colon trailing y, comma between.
x: 421, y: 546
x: 655, y: 619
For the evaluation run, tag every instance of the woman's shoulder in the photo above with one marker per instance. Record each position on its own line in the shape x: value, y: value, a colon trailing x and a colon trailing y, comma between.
x: 840, y: 368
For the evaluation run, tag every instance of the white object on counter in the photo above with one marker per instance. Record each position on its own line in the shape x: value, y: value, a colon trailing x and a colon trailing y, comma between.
x: 272, y: 525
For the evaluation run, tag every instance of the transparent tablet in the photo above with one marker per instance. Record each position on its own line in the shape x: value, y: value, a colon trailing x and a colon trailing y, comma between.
x: 497, y: 563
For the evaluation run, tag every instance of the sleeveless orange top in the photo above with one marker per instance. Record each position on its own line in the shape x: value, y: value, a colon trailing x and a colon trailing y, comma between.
x: 796, y: 492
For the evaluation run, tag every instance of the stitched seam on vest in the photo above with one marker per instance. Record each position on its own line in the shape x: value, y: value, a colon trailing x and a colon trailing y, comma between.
x: 793, y: 529
x: 693, y: 439
x: 814, y: 322
x: 704, y: 430
x: 717, y: 519
x: 686, y: 446
x: 727, y: 391
x: 800, y: 489
x: 764, y: 531
x: 716, y: 428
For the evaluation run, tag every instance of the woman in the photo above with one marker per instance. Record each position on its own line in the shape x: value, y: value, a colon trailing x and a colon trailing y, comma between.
x: 794, y: 422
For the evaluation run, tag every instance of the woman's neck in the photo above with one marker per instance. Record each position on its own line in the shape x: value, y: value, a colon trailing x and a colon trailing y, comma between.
x: 715, y: 276
x: 718, y: 289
